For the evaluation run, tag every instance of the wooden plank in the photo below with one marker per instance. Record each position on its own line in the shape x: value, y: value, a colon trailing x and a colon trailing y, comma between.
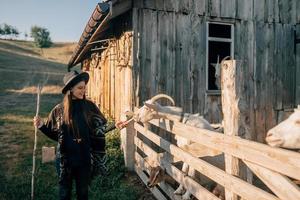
x: 233, y: 183
x: 169, y: 43
x: 287, y: 11
x: 297, y: 88
x: 149, y: 4
x: 289, y: 69
x: 228, y: 8
x: 244, y: 10
x: 129, y: 149
x: 258, y: 10
x: 195, y: 188
x: 280, y: 160
x: 145, y: 148
x: 137, y: 4
x: 194, y: 71
x: 283, y: 187
x: 259, y: 79
x: 155, y: 53
x: 199, y: 7
x: 179, y: 68
x: 143, y: 164
x: 154, y: 190
x: 270, y: 70
x: 297, y: 12
x: 171, y: 5
x: 136, y: 54
x: 194, y: 149
x: 184, y: 6
x: 199, y: 150
x: 278, y: 55
x: 231, y: 112
x: 163, y: 59
x: 214, y: 8
x: 269, y: 11
x: 154, y: 158
x: 201, y: 65
x: 186, y: 27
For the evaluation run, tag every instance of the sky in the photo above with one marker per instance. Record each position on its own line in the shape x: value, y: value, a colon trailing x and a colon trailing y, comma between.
x: 65, y: 19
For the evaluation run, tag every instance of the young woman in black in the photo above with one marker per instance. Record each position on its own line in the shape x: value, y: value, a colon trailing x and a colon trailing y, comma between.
x: 79, y: 128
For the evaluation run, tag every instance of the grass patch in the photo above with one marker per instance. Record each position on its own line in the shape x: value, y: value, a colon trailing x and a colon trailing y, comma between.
x: 19, y: 74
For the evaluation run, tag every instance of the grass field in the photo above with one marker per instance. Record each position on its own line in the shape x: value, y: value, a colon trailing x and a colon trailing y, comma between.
x: 22, y: 67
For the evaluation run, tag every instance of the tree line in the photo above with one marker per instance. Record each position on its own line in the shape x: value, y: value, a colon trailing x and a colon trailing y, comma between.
x: 40, y: 35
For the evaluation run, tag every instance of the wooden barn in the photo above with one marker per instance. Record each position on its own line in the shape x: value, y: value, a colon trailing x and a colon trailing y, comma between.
x: 135, y: 49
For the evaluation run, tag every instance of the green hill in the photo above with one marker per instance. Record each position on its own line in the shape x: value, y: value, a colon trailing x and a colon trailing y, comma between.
x: 22, y: 67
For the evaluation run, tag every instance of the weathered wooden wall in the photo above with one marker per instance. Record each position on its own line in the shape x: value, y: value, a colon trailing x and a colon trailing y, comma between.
x: 111, y: 77
x: 169, y: 51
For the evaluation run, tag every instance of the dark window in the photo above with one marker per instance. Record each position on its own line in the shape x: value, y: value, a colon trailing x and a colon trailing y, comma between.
x: 219, y: 30
x: 219, y: 44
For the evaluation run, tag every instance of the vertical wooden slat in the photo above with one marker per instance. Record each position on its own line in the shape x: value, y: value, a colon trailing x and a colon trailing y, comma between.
x: 270, y: 119
x: 155, y: 52
x: 163, y: 59
x: 259, y: 84
x: 199, y: 7
x: 228, y: 9
x: 178, y: 61
x: 290, y: 67
x: 287, y: 11
x: 244, y: 9
x: 184, y: 6
x: 143, y: 43
x: 195, y: 54
x: 171, y: 5
x: 297, y: 74
x: 258, y: 10
x: 269, y: 11
x: 297, y: 12
x: 201, y: 64
x: 214, y: 8
x: 149, y: 4
x: 170, y: 65
x: 186, y: 61
x: 278, y: 52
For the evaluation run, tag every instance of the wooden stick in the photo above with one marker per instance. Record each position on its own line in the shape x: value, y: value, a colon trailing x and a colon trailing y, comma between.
x: 39, y: 88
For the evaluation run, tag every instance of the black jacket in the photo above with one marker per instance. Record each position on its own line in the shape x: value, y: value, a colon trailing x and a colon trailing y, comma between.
x: 57, y: 130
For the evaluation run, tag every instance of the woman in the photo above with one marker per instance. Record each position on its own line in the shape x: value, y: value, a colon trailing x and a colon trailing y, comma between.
x: 79, y: 127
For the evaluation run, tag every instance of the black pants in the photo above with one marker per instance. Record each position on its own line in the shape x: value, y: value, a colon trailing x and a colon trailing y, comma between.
x: 80, y: 175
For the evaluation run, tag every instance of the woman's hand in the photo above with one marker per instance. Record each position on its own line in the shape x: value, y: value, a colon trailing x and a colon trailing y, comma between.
x: 37, y: 121
x: 121, y: 124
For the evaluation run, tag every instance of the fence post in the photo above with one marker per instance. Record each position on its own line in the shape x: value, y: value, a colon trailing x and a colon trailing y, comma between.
x: 235, y: 115
x: 128, y: 135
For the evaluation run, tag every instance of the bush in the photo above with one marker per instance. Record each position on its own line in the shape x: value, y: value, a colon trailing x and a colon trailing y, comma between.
x: 113, y: 186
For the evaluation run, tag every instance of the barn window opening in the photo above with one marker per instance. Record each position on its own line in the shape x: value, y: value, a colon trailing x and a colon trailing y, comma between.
x: 219, y: 45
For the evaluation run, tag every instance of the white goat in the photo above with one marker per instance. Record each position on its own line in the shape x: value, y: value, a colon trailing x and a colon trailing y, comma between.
x: 153, y: 110
x: 287, y: 133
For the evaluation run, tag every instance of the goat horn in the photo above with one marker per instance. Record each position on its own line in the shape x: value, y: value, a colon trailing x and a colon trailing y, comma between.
x: 159, y: 96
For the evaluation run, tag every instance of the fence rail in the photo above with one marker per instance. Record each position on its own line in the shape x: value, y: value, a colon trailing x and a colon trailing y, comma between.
x: 271, y: 165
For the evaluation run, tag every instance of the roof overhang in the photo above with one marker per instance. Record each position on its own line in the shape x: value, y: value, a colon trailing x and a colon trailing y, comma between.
x: 97, y: 25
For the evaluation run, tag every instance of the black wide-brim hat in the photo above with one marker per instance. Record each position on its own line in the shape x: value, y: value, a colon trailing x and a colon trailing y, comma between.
x: 72, y: 78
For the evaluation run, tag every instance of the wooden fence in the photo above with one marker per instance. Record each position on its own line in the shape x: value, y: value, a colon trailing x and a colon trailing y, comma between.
x: 275, y: 167
x: 272, y: 165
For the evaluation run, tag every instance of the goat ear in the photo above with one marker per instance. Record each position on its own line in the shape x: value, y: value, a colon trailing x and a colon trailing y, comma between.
x: 151, y: 106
